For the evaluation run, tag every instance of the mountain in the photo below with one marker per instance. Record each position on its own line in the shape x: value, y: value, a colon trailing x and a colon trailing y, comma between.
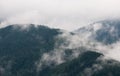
x: 21, y: 48
x: 106, y: 31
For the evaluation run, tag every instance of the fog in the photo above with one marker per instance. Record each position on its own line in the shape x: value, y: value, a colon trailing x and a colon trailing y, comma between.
x: 64, y: 14
x: 79, y: 43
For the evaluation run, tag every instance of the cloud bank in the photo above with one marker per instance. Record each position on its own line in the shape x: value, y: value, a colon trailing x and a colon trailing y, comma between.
x: 65, y: 14
x: 69, y: 46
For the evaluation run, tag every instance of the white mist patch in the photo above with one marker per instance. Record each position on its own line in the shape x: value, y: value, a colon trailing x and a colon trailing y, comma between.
x: 110, y: 51
x: 31, y: 17
x: 66, y: 43
x: 113, y: 51
x: 97, y: 26
x: 68, y: 46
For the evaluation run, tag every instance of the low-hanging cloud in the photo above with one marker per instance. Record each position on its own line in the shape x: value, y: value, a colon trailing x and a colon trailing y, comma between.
x: 78, y: 43
x: 65, y: 14
x: 68, y: 46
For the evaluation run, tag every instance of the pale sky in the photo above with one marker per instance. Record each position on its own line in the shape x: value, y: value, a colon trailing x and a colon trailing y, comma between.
x: 65, y: 14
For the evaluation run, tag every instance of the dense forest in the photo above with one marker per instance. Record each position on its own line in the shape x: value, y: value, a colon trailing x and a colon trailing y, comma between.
x: 21, y: 48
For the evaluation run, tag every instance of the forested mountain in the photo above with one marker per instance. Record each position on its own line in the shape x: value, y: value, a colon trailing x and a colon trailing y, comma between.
x: 22, y: 47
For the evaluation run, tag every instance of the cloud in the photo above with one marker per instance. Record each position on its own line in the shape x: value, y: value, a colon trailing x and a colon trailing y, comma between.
x: 110, y: 51
x: 65, y: 14
x: 67, y: 47
x: 75, y: 44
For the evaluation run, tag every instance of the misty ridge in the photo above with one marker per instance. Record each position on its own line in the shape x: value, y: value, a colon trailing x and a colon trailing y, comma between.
x: 37, y: 50
x: 101, y: 37
x: 59, y: 38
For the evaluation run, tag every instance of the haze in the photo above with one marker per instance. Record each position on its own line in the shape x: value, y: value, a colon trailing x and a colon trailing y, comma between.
x: 64, y: 14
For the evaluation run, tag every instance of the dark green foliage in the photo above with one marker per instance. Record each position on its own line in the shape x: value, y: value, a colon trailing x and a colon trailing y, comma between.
x: 77, y: 66
x: 21, y: 48
x: 112, y: 70
x: 74, y: 67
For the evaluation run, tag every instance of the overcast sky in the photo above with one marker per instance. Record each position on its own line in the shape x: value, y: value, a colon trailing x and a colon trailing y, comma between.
x: 65, y: 14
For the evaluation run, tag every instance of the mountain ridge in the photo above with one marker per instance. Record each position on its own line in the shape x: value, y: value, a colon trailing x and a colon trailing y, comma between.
x: 21, y: 49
